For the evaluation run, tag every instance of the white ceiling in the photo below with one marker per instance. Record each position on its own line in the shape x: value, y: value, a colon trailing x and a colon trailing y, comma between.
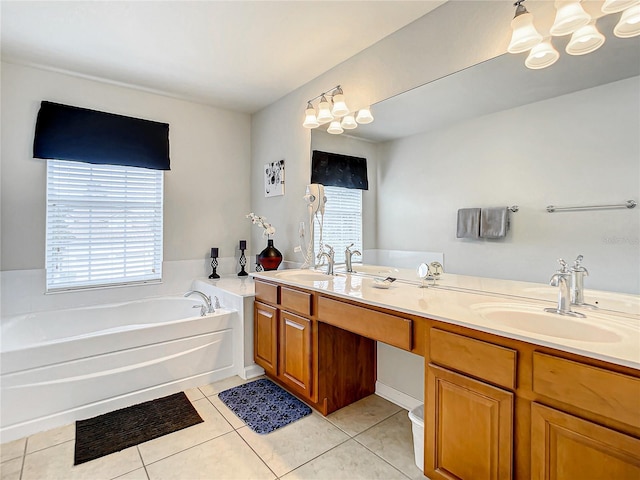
x: 241, y: 55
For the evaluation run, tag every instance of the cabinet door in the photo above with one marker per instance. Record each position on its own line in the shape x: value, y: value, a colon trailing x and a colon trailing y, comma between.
x: 468, y: 428
x: 564, y: 447
x: 265, y: 337
x: 295, y: 352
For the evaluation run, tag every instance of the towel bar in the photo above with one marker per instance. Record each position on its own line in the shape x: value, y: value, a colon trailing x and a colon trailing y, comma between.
x: 628, y: 204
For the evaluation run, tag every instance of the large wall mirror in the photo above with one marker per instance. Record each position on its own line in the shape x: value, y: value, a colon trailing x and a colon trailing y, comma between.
x: 499, y: 134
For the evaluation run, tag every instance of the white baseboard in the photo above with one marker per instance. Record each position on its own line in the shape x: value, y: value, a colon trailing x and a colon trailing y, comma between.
x: 252, y: 371
x: 396, y: 396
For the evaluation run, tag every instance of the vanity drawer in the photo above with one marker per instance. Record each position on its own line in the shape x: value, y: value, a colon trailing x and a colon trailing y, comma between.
x: 295, y: 301
x: 375, y: 325
x: 583, y: 386
x: 267, y: 292
x: 487, y: 361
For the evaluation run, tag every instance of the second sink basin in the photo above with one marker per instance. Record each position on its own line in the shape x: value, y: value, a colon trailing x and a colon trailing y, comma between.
x: 533, y: 319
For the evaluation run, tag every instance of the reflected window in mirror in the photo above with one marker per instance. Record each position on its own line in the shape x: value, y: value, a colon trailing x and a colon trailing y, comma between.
x: 342, y: 224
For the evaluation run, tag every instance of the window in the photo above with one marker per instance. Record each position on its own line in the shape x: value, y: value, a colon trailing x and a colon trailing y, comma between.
x: 104, y: 225
x: 342, y: 221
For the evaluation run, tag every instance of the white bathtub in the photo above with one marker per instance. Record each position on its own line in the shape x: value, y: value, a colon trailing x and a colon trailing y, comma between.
x: 60, y: 366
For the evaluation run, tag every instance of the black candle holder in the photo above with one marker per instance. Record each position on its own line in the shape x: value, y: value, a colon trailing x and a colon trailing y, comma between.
x: 214, y: 263
x: 258, y: 266
x: 243, y: 262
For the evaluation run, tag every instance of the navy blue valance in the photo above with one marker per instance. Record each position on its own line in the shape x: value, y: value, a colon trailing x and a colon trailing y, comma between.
x: 338, y: 170
x: 64, y: 132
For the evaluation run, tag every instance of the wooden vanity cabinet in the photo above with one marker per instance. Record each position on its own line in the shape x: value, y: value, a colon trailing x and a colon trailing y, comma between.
x: 565, y: 447
x: 564, y: 444
x: 295, y: 349
x: 265, y: 337
x: 469, y: 411
x: 498, y: 408
x: 325, y: 366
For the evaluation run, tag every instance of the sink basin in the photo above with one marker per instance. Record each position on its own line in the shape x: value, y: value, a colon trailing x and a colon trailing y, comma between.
x: 533, y: 319
x: 303, y: 276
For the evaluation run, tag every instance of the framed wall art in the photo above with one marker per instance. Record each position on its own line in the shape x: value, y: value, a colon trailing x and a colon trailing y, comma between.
x: 274, y: 179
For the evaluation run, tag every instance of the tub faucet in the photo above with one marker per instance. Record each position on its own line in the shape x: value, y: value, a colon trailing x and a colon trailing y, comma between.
x: 562, y: 279
x: 330, y: 258
x: 578, y: 272
x: 347, y: 257
x: 206, y: 298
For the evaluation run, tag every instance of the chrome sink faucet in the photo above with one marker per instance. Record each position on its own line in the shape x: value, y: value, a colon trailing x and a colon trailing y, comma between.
x: 578, y: 272
x: 330, y: 258
x: 562, y: 279
x: 206, y: 298
x: 347, y: 257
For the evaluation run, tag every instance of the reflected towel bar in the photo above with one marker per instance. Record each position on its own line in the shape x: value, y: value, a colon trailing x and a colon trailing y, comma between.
x: 628, y: 204
x: 514, y: 208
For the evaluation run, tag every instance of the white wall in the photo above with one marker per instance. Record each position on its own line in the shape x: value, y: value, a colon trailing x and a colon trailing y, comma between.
x: 206, y: 191
x: 577, y: 149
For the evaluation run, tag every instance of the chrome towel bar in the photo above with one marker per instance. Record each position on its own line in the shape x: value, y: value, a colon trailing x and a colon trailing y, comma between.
x: 627, y: 204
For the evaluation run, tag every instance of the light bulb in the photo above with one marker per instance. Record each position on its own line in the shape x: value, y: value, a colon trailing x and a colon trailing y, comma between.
x: 525, y: 36
x: 335, y: 128
x: 585, y: 40
x: 339, y: 105
x: 324, y: 111
x: 310, y: 120
x: 364, y: 116
x: 629, y: 24
x: 348, y: 122
x: 569, y: 17
x: 542, y: 56
x: 614, y: 6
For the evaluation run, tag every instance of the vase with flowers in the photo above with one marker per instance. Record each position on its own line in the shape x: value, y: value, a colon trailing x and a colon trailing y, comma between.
x: 270, y: 258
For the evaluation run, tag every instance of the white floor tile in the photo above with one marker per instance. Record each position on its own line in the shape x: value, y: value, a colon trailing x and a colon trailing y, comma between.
x: 213, y: 426
x: 194, y: 394
x: 139, y: 474
x: 11, y: 450
x: 225, y: 457
x: 289, y: 447
x: 56, y: 463
x: 217, y: 387
x: 226, y: 412
x: 392, y: 440
x: 51, y: 437
x: 10, y: 470
x: 348, y: 461
x: 363, y: 414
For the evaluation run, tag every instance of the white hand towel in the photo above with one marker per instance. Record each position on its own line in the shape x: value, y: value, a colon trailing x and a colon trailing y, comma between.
x: 468, y: 223
x: 493, y: 222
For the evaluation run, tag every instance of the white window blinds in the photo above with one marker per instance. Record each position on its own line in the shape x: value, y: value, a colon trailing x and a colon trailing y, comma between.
x: 342, y: 221
x: 104, y: 225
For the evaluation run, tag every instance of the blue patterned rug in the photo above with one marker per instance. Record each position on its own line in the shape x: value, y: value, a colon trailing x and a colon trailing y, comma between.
x: 263, y: 405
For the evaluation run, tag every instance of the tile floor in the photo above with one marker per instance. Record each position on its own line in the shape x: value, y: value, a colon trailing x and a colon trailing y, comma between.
x: 370, y: 439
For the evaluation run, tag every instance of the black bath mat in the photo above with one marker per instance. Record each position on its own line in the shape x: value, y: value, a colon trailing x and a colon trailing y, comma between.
x: 263, y: 405
x: 115, y: 431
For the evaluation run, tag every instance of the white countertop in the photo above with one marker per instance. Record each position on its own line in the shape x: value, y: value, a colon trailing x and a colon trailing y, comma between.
x: 502, y: 307
x: 241, y: 286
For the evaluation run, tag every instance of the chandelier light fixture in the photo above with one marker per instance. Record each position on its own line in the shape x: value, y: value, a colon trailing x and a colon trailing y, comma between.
x: 333, y: 109
x: 571, y: 19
